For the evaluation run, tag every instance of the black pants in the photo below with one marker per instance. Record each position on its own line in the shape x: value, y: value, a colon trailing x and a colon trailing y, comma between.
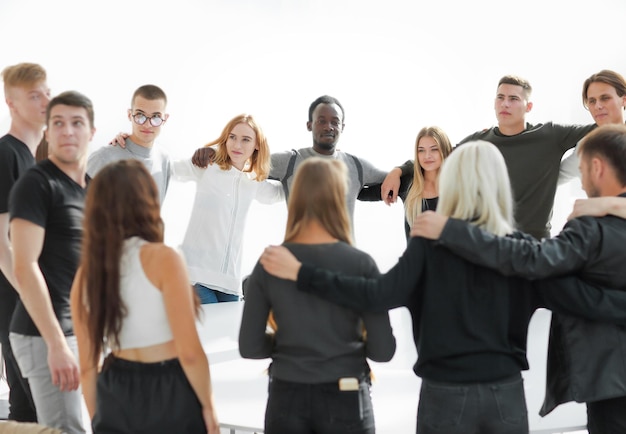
x: 21, y: 405
x: 298, y: 408
x: 607, y: 416
x: 480, y: 408
x: 148, y: 398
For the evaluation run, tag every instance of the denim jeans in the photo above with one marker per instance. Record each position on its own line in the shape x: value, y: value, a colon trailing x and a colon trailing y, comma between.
x: 477, y: 408
x: 208, y: 295
x: 298, y: 408
x: 607, y: 416
x: 55, y: 409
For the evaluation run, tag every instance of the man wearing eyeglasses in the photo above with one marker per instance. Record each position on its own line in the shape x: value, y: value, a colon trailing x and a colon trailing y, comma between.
x: 147, y: 116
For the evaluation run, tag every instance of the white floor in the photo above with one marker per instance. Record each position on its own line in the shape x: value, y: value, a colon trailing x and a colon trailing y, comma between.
x: 240, y: 386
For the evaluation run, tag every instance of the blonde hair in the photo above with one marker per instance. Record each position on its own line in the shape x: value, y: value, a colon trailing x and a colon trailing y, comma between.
x: 474, y: 185
x: 413, y: 202
x: 260, y: 159
x: 22, y: 74
x: 319, y: 193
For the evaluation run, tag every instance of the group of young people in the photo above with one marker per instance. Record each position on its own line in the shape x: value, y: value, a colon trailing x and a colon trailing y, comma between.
x: 95, y: 299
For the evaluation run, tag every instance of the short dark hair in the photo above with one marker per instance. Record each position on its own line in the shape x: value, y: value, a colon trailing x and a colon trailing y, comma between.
x: 73, y: 99
x: 326, y: 99
x: 605, y: 76
x: 517, y: 81
x: 149, y: 92
x: 607, y: 142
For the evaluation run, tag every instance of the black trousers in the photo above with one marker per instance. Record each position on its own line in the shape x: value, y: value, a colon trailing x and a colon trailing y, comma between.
x: 607, y: 416
x: 21, y: 405
x: 148, y: 398
x: 299, y: 408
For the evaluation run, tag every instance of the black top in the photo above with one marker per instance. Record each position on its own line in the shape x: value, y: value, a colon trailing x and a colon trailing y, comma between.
x: 15, y: 159
x: 47, y: 197
x: 587, y: 360
x: 316, y: 341
x: 470, y: 323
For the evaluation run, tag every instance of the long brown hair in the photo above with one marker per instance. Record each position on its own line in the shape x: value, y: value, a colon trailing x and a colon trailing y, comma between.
x: 122, y: 202
x: 319, y: 193
x: 260, y: 159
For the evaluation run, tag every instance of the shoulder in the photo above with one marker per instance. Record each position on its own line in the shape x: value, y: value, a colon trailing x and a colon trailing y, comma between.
x: 281, y: 157
x: 159, y: 252
x: 478, y: 135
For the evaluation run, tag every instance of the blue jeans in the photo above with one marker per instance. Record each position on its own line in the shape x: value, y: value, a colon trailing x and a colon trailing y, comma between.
x: 55, y: 409
x: 298, y: 408
x: 476, y: 408
x: 208, y: 295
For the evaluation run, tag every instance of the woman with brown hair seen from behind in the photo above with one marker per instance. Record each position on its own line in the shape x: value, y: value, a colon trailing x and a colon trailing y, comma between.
x: 319, y: 375
x: 131, y: 295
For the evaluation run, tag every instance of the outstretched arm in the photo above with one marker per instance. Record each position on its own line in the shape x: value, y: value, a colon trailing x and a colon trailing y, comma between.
x: 563, y: 254
x: 573, y: 296
x: 599, y: 207
x: 391, y: 185
x: 379, y: 294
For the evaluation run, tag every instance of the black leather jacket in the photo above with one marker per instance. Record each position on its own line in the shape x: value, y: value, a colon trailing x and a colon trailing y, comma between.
x: 586, y: 359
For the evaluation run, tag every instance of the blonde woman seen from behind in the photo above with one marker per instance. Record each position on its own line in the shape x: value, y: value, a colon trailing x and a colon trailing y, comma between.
x: 132, y: 297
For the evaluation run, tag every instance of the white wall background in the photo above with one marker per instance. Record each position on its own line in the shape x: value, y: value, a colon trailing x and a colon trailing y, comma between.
x: 395, y: 65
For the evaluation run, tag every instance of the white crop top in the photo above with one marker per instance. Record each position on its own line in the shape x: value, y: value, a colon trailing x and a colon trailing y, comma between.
x: 146, y: 322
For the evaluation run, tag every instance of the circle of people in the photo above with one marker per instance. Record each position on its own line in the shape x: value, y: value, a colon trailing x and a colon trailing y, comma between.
x: 96, y: 307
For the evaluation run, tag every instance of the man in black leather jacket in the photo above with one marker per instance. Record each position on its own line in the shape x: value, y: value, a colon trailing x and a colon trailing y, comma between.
x: 586, y: 360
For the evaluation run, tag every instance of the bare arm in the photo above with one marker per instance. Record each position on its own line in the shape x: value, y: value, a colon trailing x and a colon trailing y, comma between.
x: 599, y: 207
x: 27, y: 241
x: 171, y: 274
x: 6, y: 255
x: 88, y: 364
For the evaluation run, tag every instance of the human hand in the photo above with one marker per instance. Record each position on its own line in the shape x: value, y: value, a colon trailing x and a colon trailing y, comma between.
x: 595, y: 207
x: 429, y: 225
x: 119, y: 140
x: 390, y: 187
x: 63, y: 368
x: 203, y: 157
x: 280, y: 262
x: 210, y: 420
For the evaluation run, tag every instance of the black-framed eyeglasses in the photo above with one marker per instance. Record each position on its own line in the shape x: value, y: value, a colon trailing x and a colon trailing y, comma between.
x: 141, y: 118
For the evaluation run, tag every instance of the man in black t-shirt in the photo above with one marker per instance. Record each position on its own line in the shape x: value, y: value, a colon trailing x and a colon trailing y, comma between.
x: 27, y: 95
x: 46, y: 209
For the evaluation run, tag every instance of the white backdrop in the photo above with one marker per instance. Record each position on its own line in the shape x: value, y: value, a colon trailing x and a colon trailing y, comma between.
x: 395, y: 66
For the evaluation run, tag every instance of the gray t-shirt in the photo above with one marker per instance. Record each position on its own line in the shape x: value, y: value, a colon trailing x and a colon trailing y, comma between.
x: 316, y: 341
x: 156, y: 161
x: 369, y: 174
